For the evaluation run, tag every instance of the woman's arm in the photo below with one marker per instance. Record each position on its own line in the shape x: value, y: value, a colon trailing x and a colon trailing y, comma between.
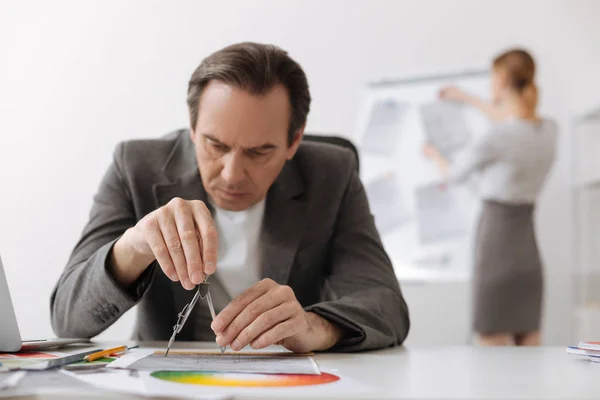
x: 440, y: 162
x: 492, y: 111
x: 478, y: 155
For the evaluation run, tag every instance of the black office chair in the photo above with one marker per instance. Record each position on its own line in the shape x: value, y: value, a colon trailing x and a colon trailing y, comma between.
x: 335, y: 140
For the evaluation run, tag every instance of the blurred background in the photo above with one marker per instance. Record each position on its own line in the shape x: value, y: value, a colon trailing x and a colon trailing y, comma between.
x: 76, y: 77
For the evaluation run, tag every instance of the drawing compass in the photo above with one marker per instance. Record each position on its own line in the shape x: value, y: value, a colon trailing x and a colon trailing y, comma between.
x: 203, y: 293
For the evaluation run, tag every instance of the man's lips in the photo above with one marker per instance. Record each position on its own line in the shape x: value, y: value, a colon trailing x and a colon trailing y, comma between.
x: 232, y: 193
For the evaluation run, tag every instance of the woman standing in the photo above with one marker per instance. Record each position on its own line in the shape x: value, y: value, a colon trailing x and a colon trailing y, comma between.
x: 512, y: 160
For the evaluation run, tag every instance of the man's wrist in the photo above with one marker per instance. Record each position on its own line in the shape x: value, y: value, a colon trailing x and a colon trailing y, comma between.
x: 326, y: 333
x: 125, y: 263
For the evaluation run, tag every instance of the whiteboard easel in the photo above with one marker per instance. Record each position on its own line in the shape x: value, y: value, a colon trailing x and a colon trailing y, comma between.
x: 403, y: 165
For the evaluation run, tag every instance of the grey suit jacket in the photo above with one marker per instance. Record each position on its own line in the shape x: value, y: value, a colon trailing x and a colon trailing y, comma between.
x: 318, y: 237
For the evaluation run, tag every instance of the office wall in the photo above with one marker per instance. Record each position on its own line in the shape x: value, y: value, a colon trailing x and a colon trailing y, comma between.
x: 77, y: 77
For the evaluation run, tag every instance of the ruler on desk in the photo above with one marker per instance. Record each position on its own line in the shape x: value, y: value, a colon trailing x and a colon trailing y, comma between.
x: 236, y: 353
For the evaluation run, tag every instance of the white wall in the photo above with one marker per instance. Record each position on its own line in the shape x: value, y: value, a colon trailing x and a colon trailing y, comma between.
x: 77, y: 77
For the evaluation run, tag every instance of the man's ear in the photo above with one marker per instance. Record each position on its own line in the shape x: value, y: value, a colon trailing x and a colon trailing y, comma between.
x: 295, y: 143
x: 193, y: 135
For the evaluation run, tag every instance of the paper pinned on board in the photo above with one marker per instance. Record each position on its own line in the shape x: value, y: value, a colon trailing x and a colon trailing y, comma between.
x: 386, y: 203
x: 445, y: 127
x: 254, y: 362
x: 384, y: 127
x: 438, y: 214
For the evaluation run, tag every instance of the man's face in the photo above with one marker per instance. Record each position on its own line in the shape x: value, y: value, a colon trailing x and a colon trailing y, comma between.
x: 241, y: 143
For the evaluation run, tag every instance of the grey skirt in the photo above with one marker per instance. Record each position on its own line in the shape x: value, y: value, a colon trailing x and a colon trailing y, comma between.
x: 508, y: 282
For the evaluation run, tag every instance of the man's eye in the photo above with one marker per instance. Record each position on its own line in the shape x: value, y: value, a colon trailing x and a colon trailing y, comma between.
x: 256, y: 153
x: 219, y: 146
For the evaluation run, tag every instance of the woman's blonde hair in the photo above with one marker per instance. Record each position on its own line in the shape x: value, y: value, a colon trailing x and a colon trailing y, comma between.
x: 519, y: 67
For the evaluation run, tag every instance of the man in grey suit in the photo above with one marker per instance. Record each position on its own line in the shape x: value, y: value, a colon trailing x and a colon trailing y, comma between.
x: 282, y: 228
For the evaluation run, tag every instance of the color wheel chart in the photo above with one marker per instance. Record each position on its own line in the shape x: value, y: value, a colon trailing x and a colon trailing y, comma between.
x: 243, y: 380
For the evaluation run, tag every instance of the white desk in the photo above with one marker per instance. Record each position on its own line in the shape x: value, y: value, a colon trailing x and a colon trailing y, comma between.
x: 453, y: 372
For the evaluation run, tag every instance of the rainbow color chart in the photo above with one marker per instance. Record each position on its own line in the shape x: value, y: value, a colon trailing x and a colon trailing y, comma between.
x: 243, y: 380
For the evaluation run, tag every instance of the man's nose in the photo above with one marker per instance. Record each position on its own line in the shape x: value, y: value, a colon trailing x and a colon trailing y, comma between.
x: 233, y: 171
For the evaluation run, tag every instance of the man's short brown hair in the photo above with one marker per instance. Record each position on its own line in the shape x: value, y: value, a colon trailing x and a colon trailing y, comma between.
x: 255, y: 68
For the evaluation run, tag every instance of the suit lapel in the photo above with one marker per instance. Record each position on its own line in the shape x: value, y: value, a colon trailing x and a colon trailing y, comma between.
x: 189, y: 187
x: 181, y: 177
x: 283, y: 225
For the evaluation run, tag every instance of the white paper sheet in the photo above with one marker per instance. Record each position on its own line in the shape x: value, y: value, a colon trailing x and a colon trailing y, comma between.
x: 130, y: 357
x: 343, y: 386
x: 130, y: 382
x: 11, y: 380
x: 383, y: 127
x: 47, y: 383
x: 116, y: 380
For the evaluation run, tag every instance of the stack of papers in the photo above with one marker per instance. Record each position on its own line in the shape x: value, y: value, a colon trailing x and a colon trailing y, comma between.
x: 15, y: 361
x: 590, y: 350
x: 184, y: 373
x: 212, y: 375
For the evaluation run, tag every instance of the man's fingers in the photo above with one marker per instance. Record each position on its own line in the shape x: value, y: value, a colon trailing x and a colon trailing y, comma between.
x: 174, y: 245
x: 186, y: 230
x: 238, y: 304
x: 208, y: 236
x: 183, y: 238
x: 264, y: 322
x: 247, y: 316
x: 154, y: 238
x: 275, y: 335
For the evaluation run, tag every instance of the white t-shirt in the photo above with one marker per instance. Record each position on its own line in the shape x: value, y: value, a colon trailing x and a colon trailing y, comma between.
x: 238, y: 262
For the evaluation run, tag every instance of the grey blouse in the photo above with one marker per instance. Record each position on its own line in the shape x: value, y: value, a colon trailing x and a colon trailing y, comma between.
x: 512, y: 160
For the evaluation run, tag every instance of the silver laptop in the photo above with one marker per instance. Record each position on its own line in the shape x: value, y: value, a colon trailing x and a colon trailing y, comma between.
x: 10, y: 337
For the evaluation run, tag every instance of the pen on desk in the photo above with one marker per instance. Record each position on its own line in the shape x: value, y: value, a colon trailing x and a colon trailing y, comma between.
x: 106, y: 353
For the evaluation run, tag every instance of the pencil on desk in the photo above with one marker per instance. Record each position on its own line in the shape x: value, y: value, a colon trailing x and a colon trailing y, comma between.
x: 117, y: 353
x: 105, y: 353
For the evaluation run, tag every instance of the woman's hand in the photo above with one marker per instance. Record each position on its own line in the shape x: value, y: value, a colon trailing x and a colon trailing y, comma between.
x: 454, y: 93
x: 492, y: 111
x: 433, y: 154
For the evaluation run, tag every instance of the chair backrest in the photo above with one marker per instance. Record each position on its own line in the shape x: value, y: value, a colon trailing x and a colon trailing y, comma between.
x: 336, y: 140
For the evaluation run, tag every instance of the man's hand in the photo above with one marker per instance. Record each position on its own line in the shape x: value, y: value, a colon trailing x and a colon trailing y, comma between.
x: 268, y: 313
x: 181, y: 236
